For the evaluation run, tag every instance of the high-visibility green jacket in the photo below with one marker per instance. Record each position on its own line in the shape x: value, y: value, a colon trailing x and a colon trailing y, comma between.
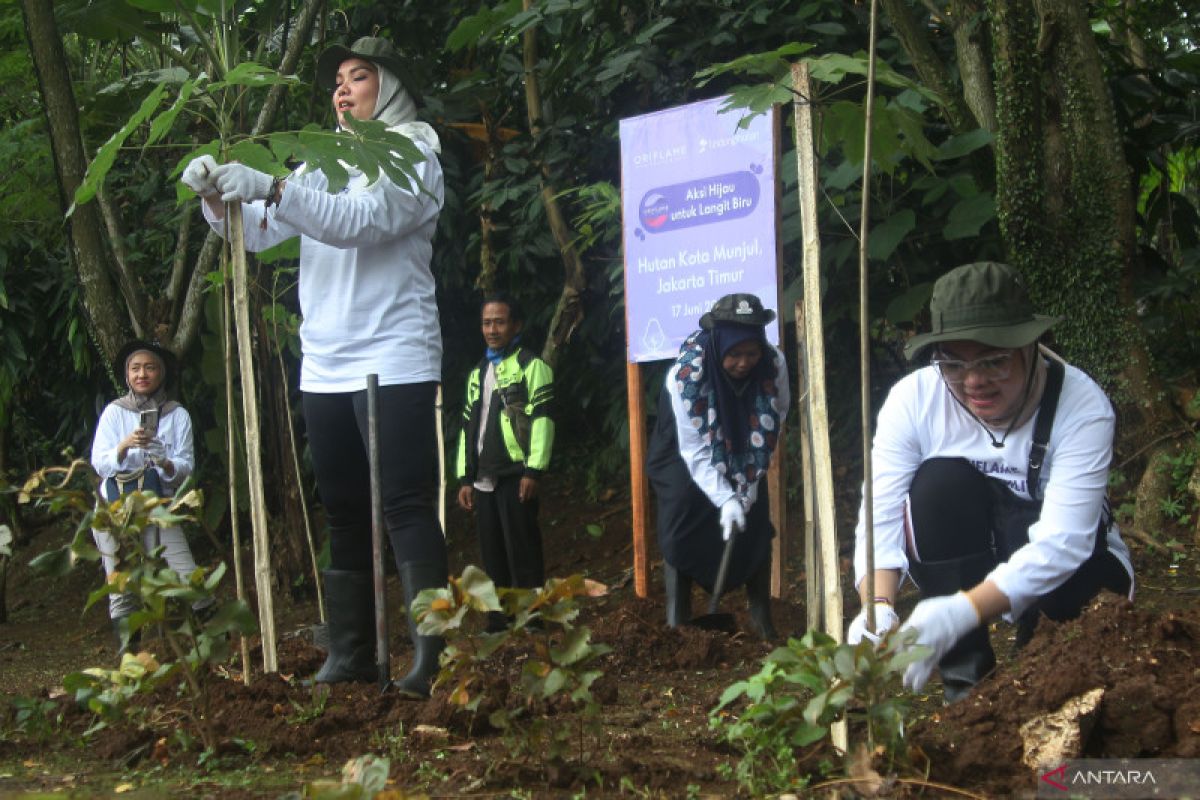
x: 519, y: 431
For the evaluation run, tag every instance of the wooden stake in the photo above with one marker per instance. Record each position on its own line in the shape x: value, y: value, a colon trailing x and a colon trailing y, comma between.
x: 826, y: 523
x: 812, y: 585
x: 441, y: 448
x: 231, y: 449
x: 378, y: 551
x: 254, y: 476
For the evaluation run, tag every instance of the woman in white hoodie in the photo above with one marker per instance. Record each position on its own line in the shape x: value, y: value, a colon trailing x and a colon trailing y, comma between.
x: 368, y: 306
x: 143, y: 442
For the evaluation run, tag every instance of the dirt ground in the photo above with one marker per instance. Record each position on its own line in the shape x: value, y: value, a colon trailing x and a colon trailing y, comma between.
x: 658, y: 688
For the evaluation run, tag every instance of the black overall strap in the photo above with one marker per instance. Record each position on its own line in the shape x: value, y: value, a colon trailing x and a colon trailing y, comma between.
x: 1043, y: 426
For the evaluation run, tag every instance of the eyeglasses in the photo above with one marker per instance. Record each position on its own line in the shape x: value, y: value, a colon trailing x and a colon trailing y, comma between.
x: 994, y: 367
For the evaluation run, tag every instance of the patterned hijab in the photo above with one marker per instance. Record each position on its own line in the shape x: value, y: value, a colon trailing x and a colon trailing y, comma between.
x: 132, y: 401
x: 738, y: 419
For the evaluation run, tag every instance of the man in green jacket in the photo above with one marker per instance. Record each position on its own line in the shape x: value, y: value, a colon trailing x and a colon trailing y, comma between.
x: 504, y: 448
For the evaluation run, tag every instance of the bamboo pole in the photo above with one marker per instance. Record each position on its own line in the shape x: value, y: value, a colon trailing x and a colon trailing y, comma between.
x: 826, y: 523
x: 826, y: 526
x: 812, y: 584
x: 231, y: 449
x: 864, y: 328
x: 258, y: 508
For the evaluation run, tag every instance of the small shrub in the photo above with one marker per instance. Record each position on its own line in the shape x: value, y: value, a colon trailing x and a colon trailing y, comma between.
x: 194, y: 640
x: 797, y: 695
x: 559, y: 670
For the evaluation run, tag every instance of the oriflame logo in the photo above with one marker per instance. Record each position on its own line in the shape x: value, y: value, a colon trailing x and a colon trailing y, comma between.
x: 1061, y: 772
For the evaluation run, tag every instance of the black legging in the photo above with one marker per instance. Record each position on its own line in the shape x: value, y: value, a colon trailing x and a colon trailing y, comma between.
x: 953, y: 517
x: 337, y: 438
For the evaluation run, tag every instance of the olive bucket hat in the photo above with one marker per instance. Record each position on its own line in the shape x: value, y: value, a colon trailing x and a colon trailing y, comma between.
x: 377, y: 50
x: 743, y: 309
x: 983, y: 302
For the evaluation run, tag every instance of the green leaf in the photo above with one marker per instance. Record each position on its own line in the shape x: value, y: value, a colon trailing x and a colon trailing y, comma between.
x: 806, y: 734
x: 107, y: 154
x: 163, y: 122
x: 289, y: 249
x: 958, y: 146
x: 595, y: 530
x: 574, y: 647
x: 775, y: 64
x: 886, y: 237
x: 645, y: 36
x: 969, y: 215
x: 479, y: 589
x: 555, y: 681
x: 908, y: 305
x: 843, y: 662
x: 815, y: 708
x: 255, y: 156
x: 54, y: 563
x: 472, y: 30
x: 162, y: 6
x: 249, y: 73
x: 104, y: 20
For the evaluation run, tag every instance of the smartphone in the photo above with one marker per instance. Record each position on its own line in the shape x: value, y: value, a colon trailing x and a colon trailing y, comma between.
x: 149, y: 421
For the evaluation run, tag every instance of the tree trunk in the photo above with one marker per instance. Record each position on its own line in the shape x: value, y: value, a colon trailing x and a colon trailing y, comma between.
x: 970, y: 44
x: 1064, y: 196
x: 568, y: 313
x: 929, y: 66
x: 89, y: 251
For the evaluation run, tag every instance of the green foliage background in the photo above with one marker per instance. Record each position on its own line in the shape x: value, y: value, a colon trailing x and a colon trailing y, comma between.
x: 933, y: 190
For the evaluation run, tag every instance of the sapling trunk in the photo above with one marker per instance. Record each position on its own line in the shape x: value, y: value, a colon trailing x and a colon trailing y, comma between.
x: 864, y: 327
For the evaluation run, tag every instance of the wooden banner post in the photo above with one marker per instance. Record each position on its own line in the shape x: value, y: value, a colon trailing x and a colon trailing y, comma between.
x: 639, y: 487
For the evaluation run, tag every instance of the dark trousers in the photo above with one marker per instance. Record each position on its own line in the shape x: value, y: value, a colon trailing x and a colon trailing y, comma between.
x: 963, y: 525
x: 509, y: 537
x: 337, y: 439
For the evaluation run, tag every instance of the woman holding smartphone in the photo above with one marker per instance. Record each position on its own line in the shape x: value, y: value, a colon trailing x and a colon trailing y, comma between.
x: 143, y: 442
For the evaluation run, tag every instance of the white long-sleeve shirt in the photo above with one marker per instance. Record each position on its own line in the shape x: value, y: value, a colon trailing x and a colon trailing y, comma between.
x: 174, y: 431
x: 697, y: 452
x: 921, y: 420
x: 366, y: 289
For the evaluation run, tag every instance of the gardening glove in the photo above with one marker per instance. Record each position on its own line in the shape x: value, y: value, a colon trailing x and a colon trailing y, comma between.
x: 886, y: 620
x: 156, y: 452
x: 732, y: 516
x: 939, y: 623
x: 198, y: 176
x: 238, y: 183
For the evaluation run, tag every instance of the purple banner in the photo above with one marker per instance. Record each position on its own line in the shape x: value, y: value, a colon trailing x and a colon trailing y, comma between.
x: 698, y: 220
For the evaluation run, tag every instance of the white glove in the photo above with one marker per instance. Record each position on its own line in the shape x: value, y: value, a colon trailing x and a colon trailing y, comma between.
x: 156, y: 452
x: 885, y: 620
x: 732, y: 516
x: 939, y: 623
x: 198, y: 176
x: 238, y: 183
